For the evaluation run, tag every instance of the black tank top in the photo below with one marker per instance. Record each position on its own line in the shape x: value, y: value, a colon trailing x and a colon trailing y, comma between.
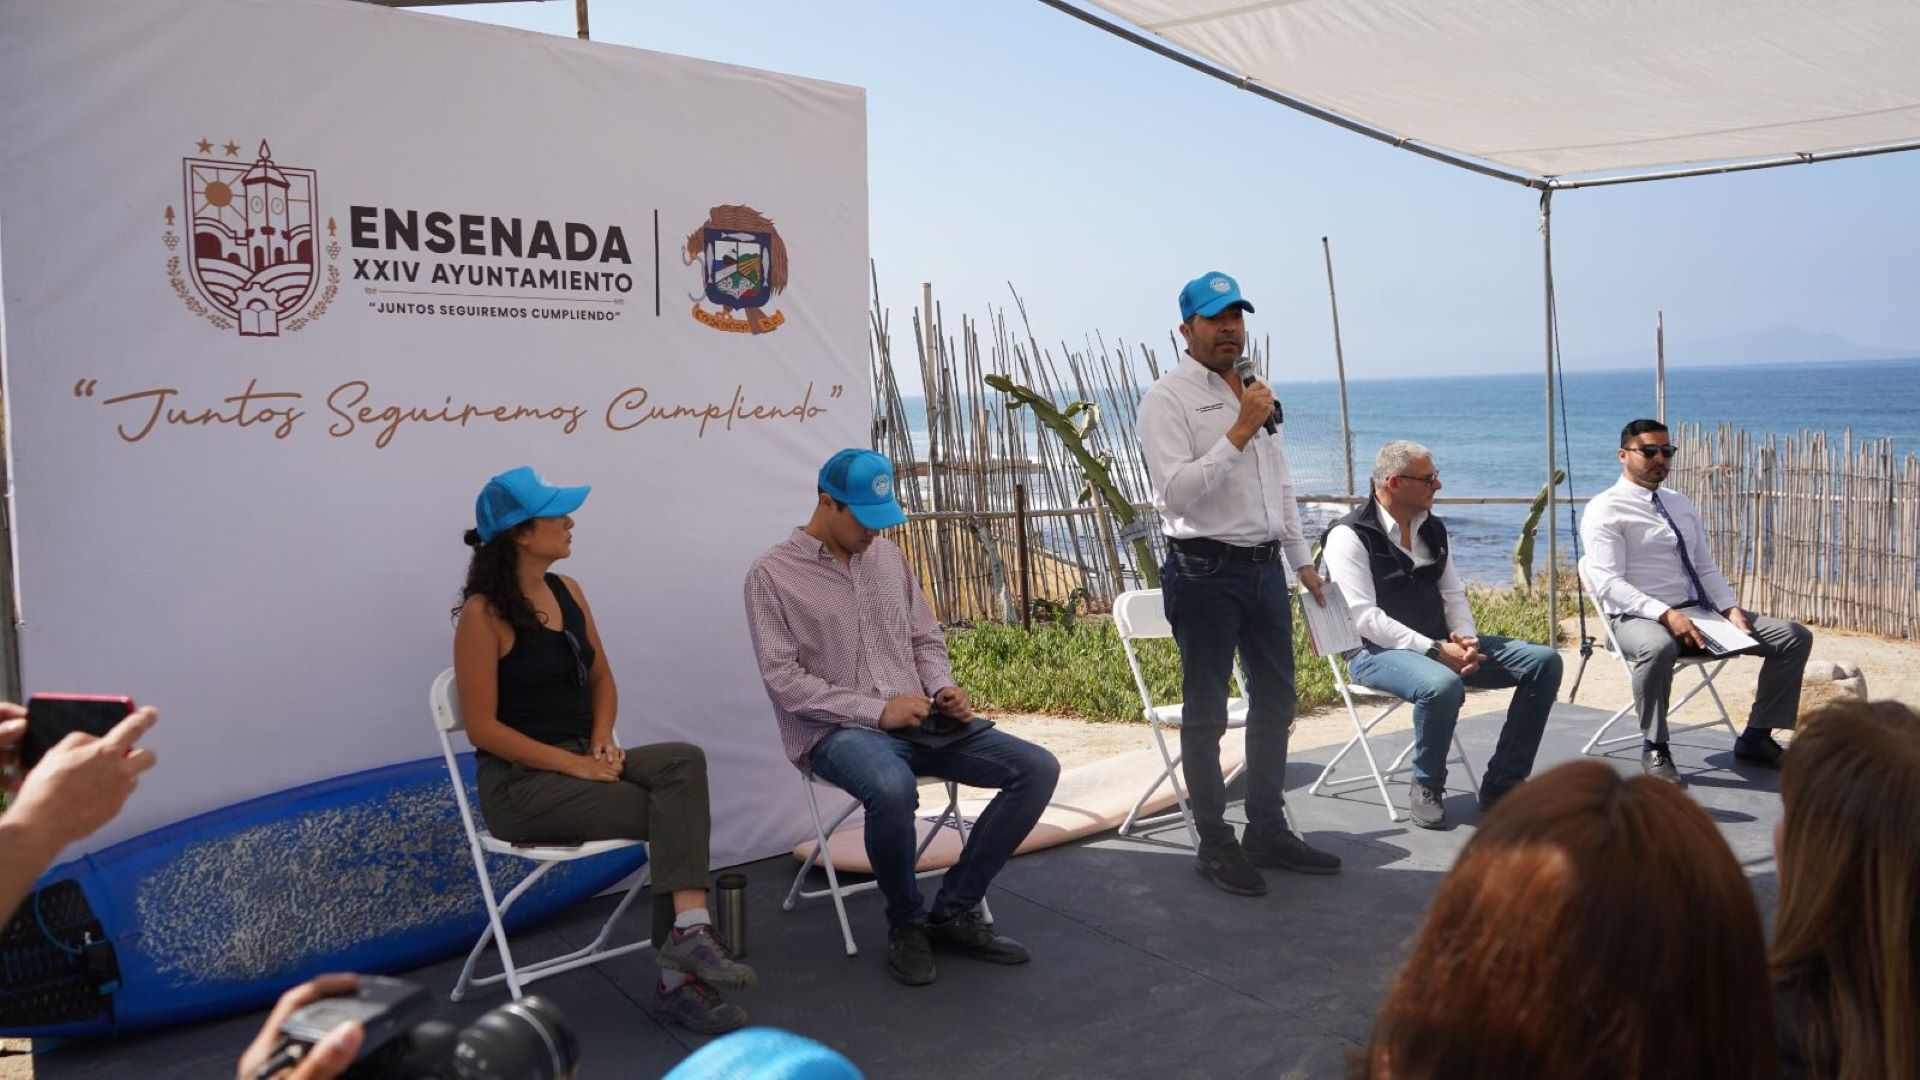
x: 543, y: 678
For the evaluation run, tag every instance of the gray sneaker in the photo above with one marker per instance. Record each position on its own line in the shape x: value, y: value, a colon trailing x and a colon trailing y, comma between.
x: 698, y: 1007
x: 698, y: 953
x: 1424, y: 803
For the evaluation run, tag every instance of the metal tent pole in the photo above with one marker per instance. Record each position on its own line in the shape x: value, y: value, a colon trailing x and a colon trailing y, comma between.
x: 10, y: 679
x: 1553, y: 517
x: 1340, y: 364
x: 1660, y: 367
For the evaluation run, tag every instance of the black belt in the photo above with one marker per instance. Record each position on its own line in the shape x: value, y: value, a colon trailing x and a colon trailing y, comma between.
x: 1220, y: 549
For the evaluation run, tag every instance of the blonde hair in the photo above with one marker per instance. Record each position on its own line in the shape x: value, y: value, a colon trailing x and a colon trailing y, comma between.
x: 1846, y: 945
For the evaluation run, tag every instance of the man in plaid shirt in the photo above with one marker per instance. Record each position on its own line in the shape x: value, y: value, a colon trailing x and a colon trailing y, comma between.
x: 857, y: 671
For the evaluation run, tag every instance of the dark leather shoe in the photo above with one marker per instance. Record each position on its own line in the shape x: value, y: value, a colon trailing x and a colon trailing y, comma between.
x: 1424, y: 804
x: 1289, y: 852
x: 1491, y: 793
x: 967, y: 932
x: 1756, y: 747
x: 909, y: 953
x: 1659, y: 765
x: 1224, y: 864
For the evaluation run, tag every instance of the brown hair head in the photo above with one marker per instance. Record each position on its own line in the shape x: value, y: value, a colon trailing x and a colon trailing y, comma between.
x: 1595, y: 926
x: 1846, y: 949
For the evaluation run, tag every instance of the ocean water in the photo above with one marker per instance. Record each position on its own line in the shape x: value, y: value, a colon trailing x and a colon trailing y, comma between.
x: 1487, y: 432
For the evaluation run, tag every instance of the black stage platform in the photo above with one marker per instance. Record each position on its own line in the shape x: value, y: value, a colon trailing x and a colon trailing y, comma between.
x: 1141, y: 967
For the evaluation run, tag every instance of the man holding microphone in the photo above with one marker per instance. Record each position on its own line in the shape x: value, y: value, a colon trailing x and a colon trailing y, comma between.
x: 1211, y: 439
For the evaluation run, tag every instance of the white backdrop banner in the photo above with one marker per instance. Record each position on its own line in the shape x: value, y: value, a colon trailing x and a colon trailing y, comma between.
x: 285, y: 281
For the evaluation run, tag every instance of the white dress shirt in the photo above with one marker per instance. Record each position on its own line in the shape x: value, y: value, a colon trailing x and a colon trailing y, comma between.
x: 1203, y: 485
x: 1348, y: 565
x: 1632, y: 558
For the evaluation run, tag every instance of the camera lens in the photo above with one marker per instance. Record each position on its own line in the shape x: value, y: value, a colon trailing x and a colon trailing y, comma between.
x: 521, y: 1040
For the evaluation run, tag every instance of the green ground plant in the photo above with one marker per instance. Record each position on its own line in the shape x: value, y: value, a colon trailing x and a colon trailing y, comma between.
x: 1074, y: 666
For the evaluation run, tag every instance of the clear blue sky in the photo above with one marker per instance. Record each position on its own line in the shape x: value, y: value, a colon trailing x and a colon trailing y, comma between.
x: 1007, y: 141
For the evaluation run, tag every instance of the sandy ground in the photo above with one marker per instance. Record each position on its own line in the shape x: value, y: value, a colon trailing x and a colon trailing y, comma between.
x: 1891, y: 668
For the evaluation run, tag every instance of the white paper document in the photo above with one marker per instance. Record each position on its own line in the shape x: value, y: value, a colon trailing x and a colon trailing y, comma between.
x: 1721, y: 636
x: 1330, y: 627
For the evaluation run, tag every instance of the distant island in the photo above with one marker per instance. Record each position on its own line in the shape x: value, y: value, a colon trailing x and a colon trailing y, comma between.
x: 1777, y: 344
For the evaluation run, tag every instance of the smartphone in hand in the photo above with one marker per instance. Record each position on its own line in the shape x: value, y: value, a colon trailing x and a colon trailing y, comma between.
x: 51, y: 716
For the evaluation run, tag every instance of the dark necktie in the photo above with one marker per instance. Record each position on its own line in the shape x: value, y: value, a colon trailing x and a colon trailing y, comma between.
x: 1699, y: 593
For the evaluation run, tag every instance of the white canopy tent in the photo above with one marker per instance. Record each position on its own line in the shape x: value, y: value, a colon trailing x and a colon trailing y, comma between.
x: 1554, y: 96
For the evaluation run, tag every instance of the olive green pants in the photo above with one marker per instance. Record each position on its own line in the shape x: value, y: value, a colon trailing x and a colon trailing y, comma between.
x: 661, y: 797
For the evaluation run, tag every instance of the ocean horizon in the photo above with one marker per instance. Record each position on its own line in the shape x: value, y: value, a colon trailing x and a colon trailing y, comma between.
x: 1487, y: 432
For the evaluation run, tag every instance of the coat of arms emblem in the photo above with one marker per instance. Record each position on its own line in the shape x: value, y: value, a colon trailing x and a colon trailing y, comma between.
x: 253, y: 253
x: 743, y: 263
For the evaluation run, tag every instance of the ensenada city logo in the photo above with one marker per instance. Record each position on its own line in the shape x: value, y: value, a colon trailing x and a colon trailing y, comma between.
x: 519, y: 281
x: 743, y: 263
x: 254, y: 260
x: 252, y: 252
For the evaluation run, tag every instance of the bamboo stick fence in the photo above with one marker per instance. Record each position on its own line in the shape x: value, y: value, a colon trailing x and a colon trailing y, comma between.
x: 963, y: 466
x: 1817, y: 528
x: 1813, y: 527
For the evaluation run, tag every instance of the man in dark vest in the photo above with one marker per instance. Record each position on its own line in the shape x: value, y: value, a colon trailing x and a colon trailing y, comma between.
x: 1391, y: 559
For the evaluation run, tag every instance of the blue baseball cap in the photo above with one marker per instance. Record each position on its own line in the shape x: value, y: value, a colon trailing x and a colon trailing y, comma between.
x: 519, y: 495
x: 1210, y: 294
x: 864, y: 481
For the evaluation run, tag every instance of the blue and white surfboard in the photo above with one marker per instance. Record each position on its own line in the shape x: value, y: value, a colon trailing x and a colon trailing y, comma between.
x: 220, y: 913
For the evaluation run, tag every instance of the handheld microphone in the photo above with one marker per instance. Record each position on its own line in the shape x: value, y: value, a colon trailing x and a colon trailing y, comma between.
x: 1243, y: 367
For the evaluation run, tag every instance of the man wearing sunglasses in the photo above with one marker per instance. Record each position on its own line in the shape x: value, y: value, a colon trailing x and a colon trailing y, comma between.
x: 1391, y: 559
x: 1649, y: 565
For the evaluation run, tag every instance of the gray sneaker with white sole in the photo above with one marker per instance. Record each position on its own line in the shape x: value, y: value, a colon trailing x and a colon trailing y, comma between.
x: 698, y: 953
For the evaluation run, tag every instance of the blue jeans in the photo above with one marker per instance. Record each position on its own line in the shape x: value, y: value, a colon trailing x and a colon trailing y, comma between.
x: 1436, y: 693
x: 880, y: 770
x: 1217, y: 605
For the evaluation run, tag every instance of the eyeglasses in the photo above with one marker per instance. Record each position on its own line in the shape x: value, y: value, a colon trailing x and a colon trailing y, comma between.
x: 1431, y: 479
x: 1651, y: 452
x: 579, y: 661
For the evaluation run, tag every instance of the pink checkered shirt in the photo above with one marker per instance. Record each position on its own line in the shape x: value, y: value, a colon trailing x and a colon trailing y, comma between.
x: 836, y: 642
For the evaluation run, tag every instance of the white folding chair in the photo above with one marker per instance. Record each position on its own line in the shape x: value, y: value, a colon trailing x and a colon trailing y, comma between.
x: 1707, y: 666
x: 839, y: 893
x: 1141, y: 615
x: 447, y: 720
x: 1348, y: 691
